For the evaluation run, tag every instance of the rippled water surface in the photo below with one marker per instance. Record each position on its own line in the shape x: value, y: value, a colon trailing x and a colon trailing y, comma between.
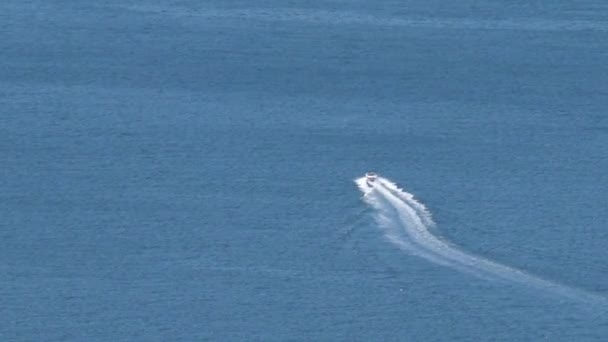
x: 183, y: 171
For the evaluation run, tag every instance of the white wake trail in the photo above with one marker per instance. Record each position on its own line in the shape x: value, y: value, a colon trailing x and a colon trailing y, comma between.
x: 407, y: 223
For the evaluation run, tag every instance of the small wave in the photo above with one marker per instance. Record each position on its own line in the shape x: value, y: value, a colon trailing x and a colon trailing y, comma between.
x: 407, y: 223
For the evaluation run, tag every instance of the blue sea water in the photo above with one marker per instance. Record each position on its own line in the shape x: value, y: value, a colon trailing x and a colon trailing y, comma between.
x: 183, y: 170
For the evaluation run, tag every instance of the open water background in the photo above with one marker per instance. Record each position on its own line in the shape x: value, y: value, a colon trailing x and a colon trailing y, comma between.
x: 183, y: 170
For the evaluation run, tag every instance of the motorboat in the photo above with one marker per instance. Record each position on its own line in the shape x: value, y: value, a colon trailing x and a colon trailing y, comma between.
x: 370, y: 178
